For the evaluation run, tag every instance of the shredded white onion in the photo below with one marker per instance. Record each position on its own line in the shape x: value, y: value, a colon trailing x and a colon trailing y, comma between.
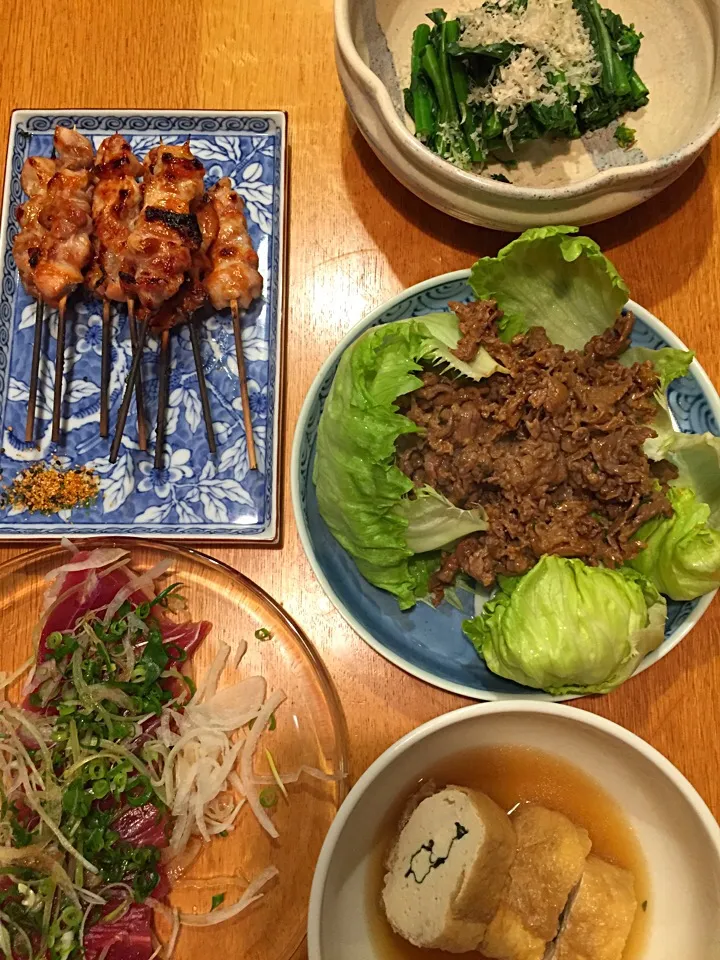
x: 226, y: 913
x: 208, y: 684
x: 145, y: 583
x: 246, y: 761
x: 293, y: 777
x: 96, y: 559
x: 230, y: 708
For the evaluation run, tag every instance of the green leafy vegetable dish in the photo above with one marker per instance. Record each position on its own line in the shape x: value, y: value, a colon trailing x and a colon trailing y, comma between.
x: 519, y: 444
x: 513, y: 71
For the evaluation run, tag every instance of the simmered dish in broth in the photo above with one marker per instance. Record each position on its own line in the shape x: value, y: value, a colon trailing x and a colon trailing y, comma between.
x: 528, y: 860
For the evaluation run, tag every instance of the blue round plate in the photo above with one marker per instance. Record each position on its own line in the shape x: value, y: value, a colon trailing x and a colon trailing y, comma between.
x: 429, y: 643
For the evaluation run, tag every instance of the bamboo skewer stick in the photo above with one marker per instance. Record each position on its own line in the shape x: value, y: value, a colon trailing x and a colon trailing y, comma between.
x: 204, y: 399
x: 129, y: 388
x: 162, y: 398
x: 139, y: 392
x: 105, y: 370
x: 245, y: 400
x: 59, y: 369
x: 34, y: 373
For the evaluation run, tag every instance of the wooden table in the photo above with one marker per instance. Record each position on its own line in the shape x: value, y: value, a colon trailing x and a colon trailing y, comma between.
x: 356, y: 238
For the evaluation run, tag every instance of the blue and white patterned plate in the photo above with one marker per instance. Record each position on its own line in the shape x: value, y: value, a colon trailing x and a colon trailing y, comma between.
x: 195, y: 496
x: 429, y: 643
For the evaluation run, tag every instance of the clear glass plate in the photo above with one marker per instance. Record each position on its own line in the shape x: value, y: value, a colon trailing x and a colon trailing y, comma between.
x: 310, y: 730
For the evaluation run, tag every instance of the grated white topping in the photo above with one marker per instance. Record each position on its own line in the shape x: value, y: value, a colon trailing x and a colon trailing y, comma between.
x: 554, y: 39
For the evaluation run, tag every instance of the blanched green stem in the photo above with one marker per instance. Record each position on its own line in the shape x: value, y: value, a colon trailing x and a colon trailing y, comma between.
x: 420, y: 41
x: 432, y: 69
x: 421, y: 98
x: 461, y: 89
x: 637, y: 87
x: 444, y: 61
x: 614, y: 75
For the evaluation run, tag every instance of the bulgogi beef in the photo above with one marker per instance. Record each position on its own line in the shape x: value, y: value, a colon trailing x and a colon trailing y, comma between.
x: 552, y: 450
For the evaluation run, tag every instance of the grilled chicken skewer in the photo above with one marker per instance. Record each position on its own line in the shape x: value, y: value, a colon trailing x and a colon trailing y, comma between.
x: 116, y: 206
x: 159, y: 253
x: 234, y: 281
x: 36, y: 174
x: 53, y: 247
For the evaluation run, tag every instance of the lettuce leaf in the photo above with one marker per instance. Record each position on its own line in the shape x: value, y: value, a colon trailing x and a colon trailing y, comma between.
x: 360, y: 491
x: 444, y: 334
x: 548, y: 277
x: 669, y: 363
x: 434, y: 522
x: 697, y: 457
x: 682, y: 556
x: 565, y: 627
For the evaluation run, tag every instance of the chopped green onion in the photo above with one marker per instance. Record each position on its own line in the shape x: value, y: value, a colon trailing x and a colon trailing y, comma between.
x: 100, y: 789
x: 139, y: 791
x: 263, y: 634
x: 216, y: 901
x: 71, y: 916
x: 118, y: 628
x: 142, y: 611
x: 96, y: 769
x: 268, y: 797
x: 272, y: 723
x: 163, y: 596
x: 54, y: 640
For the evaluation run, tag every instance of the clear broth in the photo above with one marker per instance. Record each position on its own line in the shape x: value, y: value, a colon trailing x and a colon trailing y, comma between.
x: 512, y: 776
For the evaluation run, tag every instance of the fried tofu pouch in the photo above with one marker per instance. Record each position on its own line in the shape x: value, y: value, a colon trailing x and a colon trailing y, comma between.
x: 549, y: 862
x: 598, y: 922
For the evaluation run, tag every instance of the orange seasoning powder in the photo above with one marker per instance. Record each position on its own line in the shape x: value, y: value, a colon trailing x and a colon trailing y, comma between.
x: 43, y: 488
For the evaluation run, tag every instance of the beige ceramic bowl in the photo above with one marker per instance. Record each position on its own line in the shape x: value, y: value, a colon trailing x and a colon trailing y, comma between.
x: 676, y: 831
x: 575, y: 183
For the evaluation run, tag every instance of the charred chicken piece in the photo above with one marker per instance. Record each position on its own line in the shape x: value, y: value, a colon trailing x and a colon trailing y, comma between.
x: 160, y: 247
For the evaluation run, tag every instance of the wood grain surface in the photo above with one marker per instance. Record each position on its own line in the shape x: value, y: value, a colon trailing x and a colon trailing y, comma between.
x: 356, y: 238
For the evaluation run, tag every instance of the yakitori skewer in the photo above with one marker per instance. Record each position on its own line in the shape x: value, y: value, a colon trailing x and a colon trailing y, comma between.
x: 116, y: 205
x: 53, y: 247
x: 139, y: 392
x: 34, y: 373
x: 163, y: 370
x: 204, y: 398
x: 129, y: 388
x: 234, y: 281
x: 105, y: 370
x: 180, y: 309
x: 27, y: 247
x: 159, y: 252
x: 242, y: 377
x: 59, y: 370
